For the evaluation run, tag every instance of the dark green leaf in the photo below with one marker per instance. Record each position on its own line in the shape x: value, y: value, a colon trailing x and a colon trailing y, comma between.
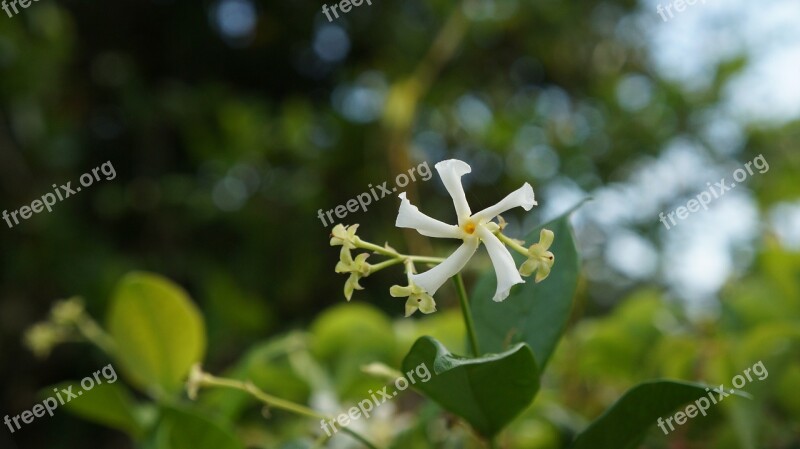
x: 488, y: 392
x: 625, y: 423
x: 533, y: 313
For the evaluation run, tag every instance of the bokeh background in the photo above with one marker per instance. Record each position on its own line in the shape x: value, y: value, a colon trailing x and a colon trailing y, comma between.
x: 230, y: 123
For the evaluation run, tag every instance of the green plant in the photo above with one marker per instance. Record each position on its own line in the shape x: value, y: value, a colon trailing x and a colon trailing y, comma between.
x: 158, y: 338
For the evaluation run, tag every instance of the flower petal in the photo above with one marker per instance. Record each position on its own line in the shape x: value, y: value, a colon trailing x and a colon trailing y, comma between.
x: 546, y: 238
x: 432, y: 279
x: 409, y: 216
x: 426, y: 303
x: 542, y: 272
x: 528, y: 267
x: 341, y: 235
x: 399, y: 291
x: 504, y: 267
x: 351, y: 284
x: 522, y: 197
x: 411, y: 307
x: 451, y: 172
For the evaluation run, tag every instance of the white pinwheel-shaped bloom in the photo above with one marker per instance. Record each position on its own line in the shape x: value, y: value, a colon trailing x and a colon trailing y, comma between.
x: 472, y: 229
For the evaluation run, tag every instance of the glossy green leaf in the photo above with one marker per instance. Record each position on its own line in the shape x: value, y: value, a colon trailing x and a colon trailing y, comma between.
x: 158, y: 331
x: 488, y: 392
x: 625, y: 423
x: 533, y: 313
x: 107, y: 404
x: 184, y: 429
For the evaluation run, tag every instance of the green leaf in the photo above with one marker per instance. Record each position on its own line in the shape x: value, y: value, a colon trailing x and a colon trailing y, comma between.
x: 625, y: 423
x: 184, y: 429
x: 107, y: 404
x: 158, y: 331
x: 533, y: 313
x: 488, y: 392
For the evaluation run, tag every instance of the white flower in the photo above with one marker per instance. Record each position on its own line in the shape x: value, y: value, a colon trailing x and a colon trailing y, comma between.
x: 472, y: 229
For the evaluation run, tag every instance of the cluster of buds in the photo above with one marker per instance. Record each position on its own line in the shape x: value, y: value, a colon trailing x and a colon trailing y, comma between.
x: 471, y: 229
x: 61, y: 327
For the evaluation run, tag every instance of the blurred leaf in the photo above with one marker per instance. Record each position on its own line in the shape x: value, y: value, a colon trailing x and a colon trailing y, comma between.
x: 786, y: 389
x: 625, y: 423
x: 347, y: 336
x: 159, y: 333
x: 183, y: 429
x: 533, y: 313
x: 446, y: 326
x: 488, y: 391
x: 108, y: 404
x: 348, y: 327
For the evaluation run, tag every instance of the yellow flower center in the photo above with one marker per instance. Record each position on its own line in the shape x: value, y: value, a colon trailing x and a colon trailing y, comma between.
x: 469, y: 227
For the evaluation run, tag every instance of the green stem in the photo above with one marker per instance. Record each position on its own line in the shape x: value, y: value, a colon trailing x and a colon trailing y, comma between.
x: 95, y: 334
x: 384, y: 264
x: 467, y: 312
x: 272, y: 401
x: 512, y: 243
x: 378, y: 249
x: 207, y: 380
x: 395, y: 255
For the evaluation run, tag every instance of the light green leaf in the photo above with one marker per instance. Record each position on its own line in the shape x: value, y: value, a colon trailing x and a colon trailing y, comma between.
x: 533, y: 313
x: 488, y: 392
x: 625, y: 423
x: 158, y: 331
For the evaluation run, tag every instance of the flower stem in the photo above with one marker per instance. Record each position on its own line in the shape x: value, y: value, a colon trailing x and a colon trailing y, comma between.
x: 207, y: 380
x: 378, y: 249
x: 394, y: 254
x: 92, y: 332
x: 384, y: 264
x: 512, y: 243
x: 272, y: 401
x: 467, y: 313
